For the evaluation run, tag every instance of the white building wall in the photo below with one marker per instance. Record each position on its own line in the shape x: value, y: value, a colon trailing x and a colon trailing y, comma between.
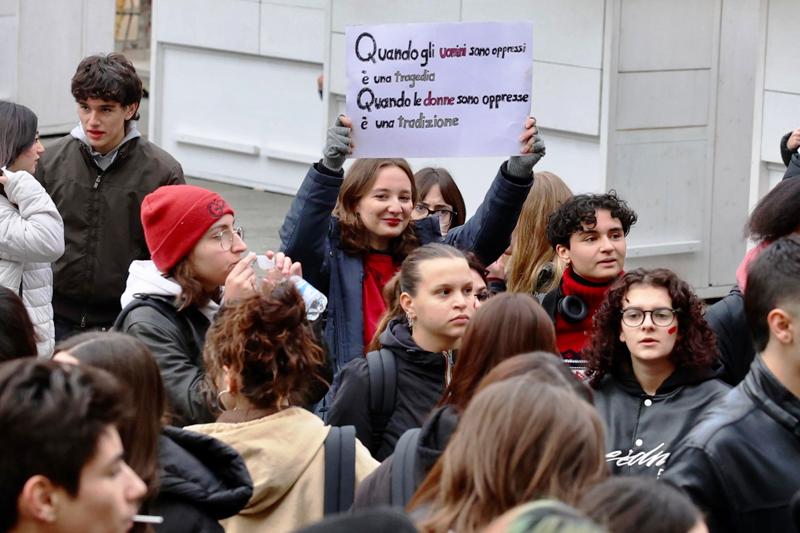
x: 652, y: 98
x: 777, y: 108
x: 43, y: 42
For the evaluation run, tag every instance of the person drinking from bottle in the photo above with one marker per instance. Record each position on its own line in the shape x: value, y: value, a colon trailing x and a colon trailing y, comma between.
x: 170, y: 300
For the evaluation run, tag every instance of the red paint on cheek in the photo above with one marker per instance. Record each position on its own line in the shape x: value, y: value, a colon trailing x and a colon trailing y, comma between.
x: 672, y: 330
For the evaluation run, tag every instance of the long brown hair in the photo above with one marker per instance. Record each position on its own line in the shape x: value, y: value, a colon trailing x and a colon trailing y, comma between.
x: 506, y: 325
x: 695, y: 348
x: 266, y: 341
x: 192, y: 291
x: 531, y: 252
x: 544, y: 367
x: 357, y: 183
x: 130, y: 361
x: 517, y: 441
x: 406, y: 280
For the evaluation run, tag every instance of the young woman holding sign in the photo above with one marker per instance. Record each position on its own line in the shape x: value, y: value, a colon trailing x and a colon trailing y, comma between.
x: 351, y: 231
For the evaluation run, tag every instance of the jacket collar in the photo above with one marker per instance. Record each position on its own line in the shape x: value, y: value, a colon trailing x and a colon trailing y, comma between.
x: 681, y: 377
x: 772, y: 397
x: 397, y: 337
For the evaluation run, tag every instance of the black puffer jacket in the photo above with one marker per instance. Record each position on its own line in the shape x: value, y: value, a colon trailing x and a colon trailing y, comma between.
x: 203, y: 480
x: 736, y: 352
x: 741, y: 464
x: 420, y: 384
x: 376, y: 489
x: 642, y: 430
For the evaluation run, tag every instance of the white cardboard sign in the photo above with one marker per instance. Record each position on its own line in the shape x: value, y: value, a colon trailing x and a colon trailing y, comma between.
x: 449, y: 89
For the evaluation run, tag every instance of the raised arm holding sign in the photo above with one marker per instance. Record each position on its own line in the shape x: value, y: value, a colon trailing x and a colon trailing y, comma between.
x: 339, y: 223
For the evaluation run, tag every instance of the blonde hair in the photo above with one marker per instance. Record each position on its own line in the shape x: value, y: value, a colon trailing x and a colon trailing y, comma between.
x: 531, y: 251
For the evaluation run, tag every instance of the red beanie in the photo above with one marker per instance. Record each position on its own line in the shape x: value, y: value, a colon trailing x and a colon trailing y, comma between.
x: 175, y: 217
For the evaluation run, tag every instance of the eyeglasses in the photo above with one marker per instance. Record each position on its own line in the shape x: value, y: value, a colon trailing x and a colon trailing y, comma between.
x: 445, y: 215
x: 661, y: 316
x: 483, y: 295
x: 225, y: 237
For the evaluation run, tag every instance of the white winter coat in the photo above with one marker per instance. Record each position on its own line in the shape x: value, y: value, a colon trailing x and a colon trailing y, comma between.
x: 31, y: 237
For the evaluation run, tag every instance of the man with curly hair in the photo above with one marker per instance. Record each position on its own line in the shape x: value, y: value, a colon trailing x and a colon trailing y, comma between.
x: 588, y: 233
x: 98, y: 176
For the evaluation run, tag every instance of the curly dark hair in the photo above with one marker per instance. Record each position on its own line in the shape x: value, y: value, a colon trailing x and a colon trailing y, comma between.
x: 695, y: 347
x: 579, y: 211
x: 108, y: 77
x: 266, y: 340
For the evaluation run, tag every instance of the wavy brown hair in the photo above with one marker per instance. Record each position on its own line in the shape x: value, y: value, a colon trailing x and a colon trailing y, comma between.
x: 506, y: 325
x: 357, y: 183
x: 518, y: 440
x: 266, y: 341
x: 695, y: 347
x: 192, y: 291
x: 531, y: 252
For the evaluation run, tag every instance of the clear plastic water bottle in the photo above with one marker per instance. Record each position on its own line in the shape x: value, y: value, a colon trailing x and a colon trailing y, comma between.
x: 315, y: 301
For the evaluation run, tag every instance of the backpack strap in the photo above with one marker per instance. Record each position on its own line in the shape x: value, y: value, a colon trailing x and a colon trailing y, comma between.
x: 404, y: 464
x: 382, y: 369
x: 166, y: 309
x: 340, y: 469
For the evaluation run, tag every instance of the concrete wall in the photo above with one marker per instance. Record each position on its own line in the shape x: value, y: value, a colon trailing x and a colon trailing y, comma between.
x: 43, y: 41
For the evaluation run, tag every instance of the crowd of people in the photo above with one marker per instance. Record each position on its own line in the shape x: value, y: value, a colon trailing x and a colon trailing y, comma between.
x: 497, y: 372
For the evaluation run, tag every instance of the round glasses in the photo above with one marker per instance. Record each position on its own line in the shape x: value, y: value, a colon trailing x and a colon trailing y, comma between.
x: 661, y: 316
x: 225, y: 237
x: 445, y: 215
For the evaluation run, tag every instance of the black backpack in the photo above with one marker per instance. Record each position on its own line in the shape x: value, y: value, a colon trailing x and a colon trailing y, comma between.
x: 382, y: 368
x: 340, y: 469
x: 404, y: 468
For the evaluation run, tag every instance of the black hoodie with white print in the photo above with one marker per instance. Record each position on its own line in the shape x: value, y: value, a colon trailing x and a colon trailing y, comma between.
x: 643, y: 430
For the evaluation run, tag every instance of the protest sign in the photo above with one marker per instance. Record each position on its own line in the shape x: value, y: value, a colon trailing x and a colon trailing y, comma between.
x: 449, y: 89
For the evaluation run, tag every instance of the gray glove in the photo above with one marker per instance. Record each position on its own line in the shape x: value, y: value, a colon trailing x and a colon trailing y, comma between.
x: 521, y: 166
x: 337, y: 146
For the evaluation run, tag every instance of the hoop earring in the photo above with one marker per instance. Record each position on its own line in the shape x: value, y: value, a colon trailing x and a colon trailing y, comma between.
x: 221, y: 402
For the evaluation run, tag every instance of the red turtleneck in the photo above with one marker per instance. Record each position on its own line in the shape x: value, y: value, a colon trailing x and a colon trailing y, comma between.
x: 571, y: 337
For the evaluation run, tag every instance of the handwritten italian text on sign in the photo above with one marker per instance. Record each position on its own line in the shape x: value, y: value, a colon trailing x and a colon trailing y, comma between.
x: 452, y: 89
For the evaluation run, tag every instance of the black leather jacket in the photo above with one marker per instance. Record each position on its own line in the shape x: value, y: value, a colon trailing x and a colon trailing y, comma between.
x: 742, y: 463
x: 642, y: 430
x: 736, y: 351
x: 177, y: 345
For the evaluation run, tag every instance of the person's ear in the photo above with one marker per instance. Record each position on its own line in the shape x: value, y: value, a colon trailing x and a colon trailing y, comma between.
x: 622, y: 336
x: 407, y: 303
x: 781, y: 326
x: 130, y: 111
x: 39, y: 500
x: 563, y: 252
